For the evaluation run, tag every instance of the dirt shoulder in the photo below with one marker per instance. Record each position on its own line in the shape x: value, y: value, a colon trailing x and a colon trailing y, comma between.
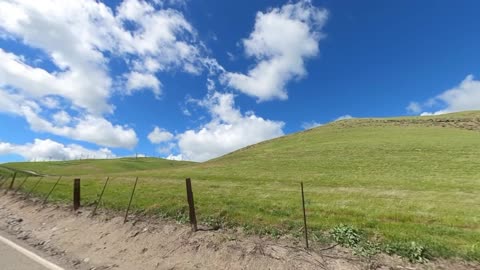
x: 78, y: 241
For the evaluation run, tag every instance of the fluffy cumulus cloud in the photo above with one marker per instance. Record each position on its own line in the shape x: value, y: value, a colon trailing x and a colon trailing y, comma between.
x: 90, y: 128
x: 227, y: 131
x: 282, y: 40
x: 138, y: 81
x: 65, y: 82
x: 463, y: 97
x: 41, y: 150
x: 159, y: 135
x: 79, y: 38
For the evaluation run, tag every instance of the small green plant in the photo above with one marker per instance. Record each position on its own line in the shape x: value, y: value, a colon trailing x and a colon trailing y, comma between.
x: 367, y: 249
x: 417, y: 253
x: 346, y: 235
x: 414, y: 252
x: 181, y: 217
x: 213, y: 222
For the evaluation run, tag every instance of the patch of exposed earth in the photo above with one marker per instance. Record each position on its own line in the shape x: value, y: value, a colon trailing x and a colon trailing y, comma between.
x: 105, y: 242
x: 459, y: 123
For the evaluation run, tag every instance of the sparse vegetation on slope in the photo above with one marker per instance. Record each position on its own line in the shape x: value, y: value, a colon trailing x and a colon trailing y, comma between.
x: 398, y: 180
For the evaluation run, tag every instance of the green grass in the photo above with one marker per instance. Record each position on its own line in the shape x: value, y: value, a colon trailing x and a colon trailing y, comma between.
x: 399, y: 180
x: 97, y: 167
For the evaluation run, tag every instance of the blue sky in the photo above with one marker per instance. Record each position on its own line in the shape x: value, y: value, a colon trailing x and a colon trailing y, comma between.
x: 194, y: 80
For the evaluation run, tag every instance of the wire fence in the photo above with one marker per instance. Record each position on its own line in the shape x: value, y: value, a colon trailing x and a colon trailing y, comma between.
x: 299, y: 208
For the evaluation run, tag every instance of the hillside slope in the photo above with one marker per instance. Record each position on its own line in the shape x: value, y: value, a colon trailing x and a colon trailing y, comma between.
x: 94, y: 166
x: 398, y: 179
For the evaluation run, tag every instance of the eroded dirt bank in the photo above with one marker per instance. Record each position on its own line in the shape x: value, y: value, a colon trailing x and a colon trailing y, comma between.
x: 104, y: 242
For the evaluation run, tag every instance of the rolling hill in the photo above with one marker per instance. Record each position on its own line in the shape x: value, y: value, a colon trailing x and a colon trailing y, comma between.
x: 397, y: 179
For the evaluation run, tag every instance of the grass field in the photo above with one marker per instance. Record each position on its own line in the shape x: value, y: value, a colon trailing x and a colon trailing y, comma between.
x: 398, y: 180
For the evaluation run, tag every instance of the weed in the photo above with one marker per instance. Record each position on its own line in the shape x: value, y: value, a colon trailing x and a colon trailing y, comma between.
x: 346, y: 235
x: 413, y: 251
x: 351, y: 237
x: 182, y: 217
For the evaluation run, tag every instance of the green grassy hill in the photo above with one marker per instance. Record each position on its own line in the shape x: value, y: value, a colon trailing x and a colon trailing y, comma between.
x: 98, y: 166
x: 397, y: 179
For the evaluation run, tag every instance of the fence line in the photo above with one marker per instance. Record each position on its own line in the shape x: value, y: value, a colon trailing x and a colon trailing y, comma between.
x: 189, y: 193
x: 77, y: 199
x: 100, y: 197
x: 21, y: 184
x: 51, y: 190
x: 35, y: 186
x: 11, y: 183
x: 131, y: 198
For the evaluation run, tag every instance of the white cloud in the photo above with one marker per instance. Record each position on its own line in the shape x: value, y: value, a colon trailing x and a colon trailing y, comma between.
x: 50, y: 102
x: 343, y: 117
x: 228, y: 130
x: 283, y: 38
x: 139, y: 81
x: 51, y: 150
x: 463, y: 97
x: 9, y: 103
x: 82, y: 79
x: 414, y: 108
x: 163, y: 38
x: 175, y: 157
x: 90, y: 128
x: 310, y: 125
x: 159, y: 135
x: 172, y: 2
x: 80, y: 38
x: 134, y: 9
x: 87, y: 128
x: 61, y: 118
x: 166, y: 149
x: 76, y: 35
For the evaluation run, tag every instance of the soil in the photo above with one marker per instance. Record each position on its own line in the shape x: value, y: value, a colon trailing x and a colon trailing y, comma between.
x: 459, y: 123
x: 79, y: 241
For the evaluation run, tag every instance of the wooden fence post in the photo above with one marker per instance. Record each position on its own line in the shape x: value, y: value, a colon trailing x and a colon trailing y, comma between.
x: 11, y: 183
x: 76, y: 194
x: 51, y: 190
x: 191, y: 205
x: 100, y: 197
x: 304, y: 217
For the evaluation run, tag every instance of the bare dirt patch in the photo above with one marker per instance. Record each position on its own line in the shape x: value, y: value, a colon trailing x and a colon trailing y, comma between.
x: 459, y: 123
x: 104, y: 242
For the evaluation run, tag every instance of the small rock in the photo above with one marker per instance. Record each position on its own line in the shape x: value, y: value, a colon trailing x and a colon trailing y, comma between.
x: 86, y: 260
x: 23, y: 236
x: 39, y: 243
